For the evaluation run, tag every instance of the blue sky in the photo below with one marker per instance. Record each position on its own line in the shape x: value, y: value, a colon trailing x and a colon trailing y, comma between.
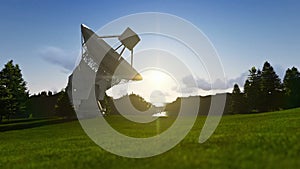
x: 43, y: 36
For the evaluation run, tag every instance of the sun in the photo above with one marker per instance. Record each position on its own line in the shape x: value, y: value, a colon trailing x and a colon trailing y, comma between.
x: 158, y: 76
x: 157, y: 86
x: 157, y: 79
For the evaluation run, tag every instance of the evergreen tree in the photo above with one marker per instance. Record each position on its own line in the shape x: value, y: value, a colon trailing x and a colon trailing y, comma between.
x: 291, y: 83
x: 247, y: 89
x: 252, y: 90
x: 49, y: 93
x: 63, y: 107
x: 271, y: 88
x: 5, y: 96
x: 237, y: 101
x: 13, y: 91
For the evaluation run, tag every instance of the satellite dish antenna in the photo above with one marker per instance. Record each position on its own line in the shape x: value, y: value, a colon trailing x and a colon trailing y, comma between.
x: 128, y: 40
x: 106, y: 63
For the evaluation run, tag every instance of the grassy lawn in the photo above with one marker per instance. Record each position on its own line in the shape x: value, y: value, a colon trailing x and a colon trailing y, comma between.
x: 267, y: 140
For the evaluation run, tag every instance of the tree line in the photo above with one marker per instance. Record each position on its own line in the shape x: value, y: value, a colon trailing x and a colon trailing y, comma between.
x: 15, y: 101
x: 264, y: 91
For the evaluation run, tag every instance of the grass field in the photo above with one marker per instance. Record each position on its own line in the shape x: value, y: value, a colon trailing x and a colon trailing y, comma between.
x: 267, y: 140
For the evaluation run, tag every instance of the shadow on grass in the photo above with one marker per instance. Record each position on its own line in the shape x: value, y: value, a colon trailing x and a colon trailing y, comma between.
x: 12, y: 121
x: 31, y: 123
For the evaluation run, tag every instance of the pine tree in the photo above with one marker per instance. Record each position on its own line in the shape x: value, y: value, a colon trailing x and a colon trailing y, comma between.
x: 252, y: 90
x: 64, y: 107
x: 5, y: 96
x: 14, y: 94
x: 271, y: 88
x: 237, y: 101
x: 291, y: 83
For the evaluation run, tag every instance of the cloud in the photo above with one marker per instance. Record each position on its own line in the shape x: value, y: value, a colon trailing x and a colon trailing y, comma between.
x: 192, y: 84
x: 187, y: 90
x: 240, y: 80
x: 57, y: 56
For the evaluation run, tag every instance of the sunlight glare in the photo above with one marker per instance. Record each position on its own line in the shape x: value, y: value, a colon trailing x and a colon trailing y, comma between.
x: 158, y: 80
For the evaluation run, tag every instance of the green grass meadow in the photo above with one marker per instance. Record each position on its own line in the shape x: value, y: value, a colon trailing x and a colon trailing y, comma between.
x: 266, y: 140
